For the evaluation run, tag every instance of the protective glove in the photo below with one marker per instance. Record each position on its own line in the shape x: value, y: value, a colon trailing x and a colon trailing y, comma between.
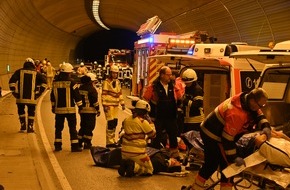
x: 106, y: 109
x: 98, y: 113
x: 123, y: 107
x: 240, y: 161
x: 267, y: 132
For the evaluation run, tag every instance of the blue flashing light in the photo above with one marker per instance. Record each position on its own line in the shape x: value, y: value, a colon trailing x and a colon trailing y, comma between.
x: 190, y: 52
x: 151, y: 39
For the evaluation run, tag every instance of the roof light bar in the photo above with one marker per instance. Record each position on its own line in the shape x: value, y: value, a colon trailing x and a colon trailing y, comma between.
x: 95, y: 9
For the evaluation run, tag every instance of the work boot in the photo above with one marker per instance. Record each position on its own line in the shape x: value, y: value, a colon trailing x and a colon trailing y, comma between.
x: 122, y: 168
x: 130, y: 165
x: 57, y: 146
x: 23, y: 127
x: 81, y: 141
x: 30, y: 129
x: 30, y: 126
x: 87, y: 143
x: 75, y: 147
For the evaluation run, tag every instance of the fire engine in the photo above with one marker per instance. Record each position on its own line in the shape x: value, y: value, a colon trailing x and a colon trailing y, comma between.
x: 219, y: 75
x: 120, y: 57
x: 275, y: 80
x: 145, y: 70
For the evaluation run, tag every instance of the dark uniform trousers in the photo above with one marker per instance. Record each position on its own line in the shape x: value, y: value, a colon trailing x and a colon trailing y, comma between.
x: 59, y: 125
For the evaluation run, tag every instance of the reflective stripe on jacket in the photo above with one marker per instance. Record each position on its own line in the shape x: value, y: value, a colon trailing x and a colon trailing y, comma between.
x: 112, y: 94
x: 230, y: 119
x: 136, y: 129
x: 64, y: 96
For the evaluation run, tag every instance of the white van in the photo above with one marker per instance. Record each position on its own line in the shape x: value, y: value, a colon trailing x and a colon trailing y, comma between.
x: 275, y: 79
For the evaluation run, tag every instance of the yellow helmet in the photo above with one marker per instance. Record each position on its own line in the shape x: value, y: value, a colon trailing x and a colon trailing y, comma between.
x: 114, y: 69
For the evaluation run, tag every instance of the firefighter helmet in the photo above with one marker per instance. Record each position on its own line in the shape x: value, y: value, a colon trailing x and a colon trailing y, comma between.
x: 29, y: 63
x: 66, y: 68
x: 92, y: 76
x: 143, y: 105
x: 114, y: 68
x: 189, y: 75
x: 30, y: 60
x: 82, y: 64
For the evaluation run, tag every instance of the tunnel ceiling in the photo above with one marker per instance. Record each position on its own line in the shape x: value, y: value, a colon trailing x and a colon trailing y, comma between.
x: 74, y: 16
x: 54, y: 28
x: 253, y: 21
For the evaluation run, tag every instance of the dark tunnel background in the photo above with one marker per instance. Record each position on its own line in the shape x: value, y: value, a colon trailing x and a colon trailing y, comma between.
x: 96, y: 46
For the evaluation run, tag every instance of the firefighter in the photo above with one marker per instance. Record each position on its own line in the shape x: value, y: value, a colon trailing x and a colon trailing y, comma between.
x: 111, y: 98
x: 64, y: 96
x: 163, y: 97
x: 90, y: 110
x: 137, y: 128
x: 221, y: 129
x: 127, y: 77
x: 99, y: 72
x: 50, y: 72
x: 82, y: 70
x: 121, y: 76
x: 192, y: 102
x: 27, y: 85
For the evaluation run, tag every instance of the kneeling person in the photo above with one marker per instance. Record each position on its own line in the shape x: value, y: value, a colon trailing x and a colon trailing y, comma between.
x: 135, y: 160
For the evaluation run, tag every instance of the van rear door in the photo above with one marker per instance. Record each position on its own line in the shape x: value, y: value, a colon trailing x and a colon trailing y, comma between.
x: 275, y: 79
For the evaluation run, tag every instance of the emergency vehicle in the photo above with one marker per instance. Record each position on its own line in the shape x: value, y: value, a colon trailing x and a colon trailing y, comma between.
x: 275, y: 80
x: 145, y: 69
x: 219, y: 75
x: 119, y: 57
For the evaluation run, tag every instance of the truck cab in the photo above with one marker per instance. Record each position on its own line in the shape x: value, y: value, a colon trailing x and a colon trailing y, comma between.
x: 275, y: 79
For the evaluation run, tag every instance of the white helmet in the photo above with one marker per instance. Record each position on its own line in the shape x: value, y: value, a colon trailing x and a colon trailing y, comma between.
x: 114, y: 68
x: 143, y: 105
x: 30, y: 60
x: 92, y: 76
x: 82, y: 64
x: 189, y: 75
x: 66, y: 68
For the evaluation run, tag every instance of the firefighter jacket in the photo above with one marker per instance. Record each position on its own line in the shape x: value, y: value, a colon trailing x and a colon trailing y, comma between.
x: 112, y: 93
x: 50, y: 71
x: 230, y: 120
x: 136, y: 132
x: 65, y: 95
x: 193, y: 104
x: 82, y: 70
x: 162, y: 105
x: 27, y: 85
x: 89, y: 98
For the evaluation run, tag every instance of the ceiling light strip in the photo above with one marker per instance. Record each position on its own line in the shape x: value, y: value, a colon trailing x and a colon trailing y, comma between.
x: 95, y: 9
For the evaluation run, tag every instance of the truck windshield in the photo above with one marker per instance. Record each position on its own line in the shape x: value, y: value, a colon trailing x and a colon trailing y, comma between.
x: 118, y: 59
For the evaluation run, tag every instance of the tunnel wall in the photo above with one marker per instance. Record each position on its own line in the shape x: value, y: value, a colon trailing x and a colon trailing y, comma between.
x: 25, y: 33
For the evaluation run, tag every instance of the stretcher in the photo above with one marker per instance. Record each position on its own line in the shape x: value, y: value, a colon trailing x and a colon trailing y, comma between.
x: 257, y: 173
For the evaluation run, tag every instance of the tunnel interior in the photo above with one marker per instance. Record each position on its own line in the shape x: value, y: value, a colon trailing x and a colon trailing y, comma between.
x: 95, y: 47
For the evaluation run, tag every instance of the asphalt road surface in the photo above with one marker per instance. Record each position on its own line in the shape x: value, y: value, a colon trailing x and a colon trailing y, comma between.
x: 77, y: 170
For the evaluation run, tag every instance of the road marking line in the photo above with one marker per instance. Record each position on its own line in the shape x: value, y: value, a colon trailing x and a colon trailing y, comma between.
x: 57, y: 169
